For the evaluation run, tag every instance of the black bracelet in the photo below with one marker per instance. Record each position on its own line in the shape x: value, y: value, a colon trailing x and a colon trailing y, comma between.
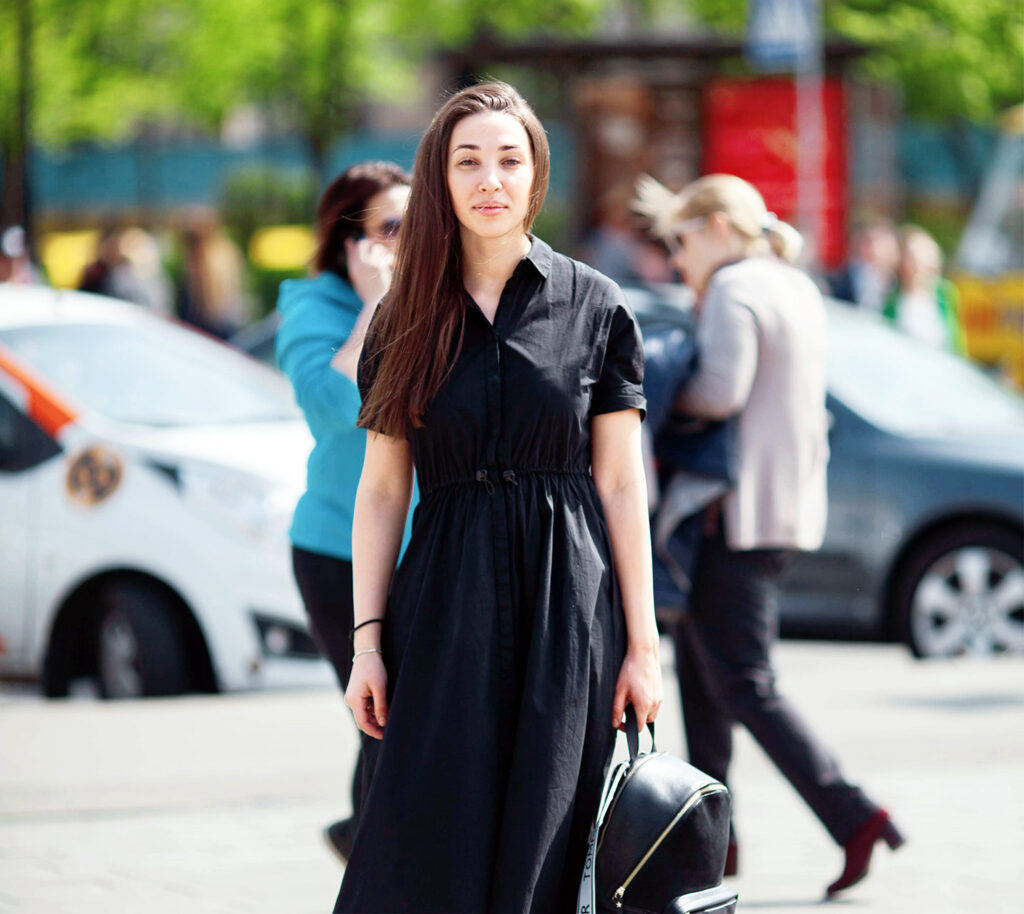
x: 352, y: 633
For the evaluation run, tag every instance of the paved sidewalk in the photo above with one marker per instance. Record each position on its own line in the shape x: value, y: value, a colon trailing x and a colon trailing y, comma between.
x: 215, y: 804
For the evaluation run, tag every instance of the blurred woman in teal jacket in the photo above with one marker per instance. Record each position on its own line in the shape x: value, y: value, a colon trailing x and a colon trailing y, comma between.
x: 323, y: 323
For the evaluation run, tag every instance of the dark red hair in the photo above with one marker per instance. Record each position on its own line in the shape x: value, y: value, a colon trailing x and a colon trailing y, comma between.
x: 342, y: 209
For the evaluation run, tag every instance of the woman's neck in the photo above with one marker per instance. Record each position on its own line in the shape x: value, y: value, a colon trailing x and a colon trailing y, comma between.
x: 487, y: 263
x: 720, y: 263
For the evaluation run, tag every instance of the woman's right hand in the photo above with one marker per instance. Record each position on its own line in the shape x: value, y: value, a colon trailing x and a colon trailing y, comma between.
x: 369, y: 269
x: 366, y: 694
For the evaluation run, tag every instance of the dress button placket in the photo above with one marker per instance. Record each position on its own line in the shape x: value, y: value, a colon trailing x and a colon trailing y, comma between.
x: 499, y: 529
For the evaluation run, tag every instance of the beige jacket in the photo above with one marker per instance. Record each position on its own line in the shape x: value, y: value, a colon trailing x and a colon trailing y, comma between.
x: 762, y: 338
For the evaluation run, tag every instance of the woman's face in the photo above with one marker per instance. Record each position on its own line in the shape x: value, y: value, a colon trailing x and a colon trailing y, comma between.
x: 700, y: 245
x: 383, y: 214
x: 692, y: 252
x: 490, y: 174
x: 920, y: 265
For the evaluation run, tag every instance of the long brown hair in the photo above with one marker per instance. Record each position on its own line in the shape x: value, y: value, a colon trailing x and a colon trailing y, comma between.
x: 421, y: 317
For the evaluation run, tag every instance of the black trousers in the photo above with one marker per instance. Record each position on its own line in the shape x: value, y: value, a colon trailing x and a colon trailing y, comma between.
x: 723, y: 655
x: 325, y: 584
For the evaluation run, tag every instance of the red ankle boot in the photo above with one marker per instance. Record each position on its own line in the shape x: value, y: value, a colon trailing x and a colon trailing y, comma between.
x: 860, y: 846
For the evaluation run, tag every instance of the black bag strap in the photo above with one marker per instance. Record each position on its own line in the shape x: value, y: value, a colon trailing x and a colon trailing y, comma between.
x: 633, y: 733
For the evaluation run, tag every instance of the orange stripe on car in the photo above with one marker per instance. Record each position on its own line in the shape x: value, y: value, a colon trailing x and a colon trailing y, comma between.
x: 45, y: 407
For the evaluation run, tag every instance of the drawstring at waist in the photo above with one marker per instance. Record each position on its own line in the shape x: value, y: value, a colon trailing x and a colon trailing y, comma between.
x: 490, y: 478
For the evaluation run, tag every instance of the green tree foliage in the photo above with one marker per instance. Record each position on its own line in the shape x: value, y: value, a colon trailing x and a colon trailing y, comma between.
x: 100, y: 70
x: 96, y: 68
x: 94, y: 71
x: 951, y: 58
x: 317, y: 61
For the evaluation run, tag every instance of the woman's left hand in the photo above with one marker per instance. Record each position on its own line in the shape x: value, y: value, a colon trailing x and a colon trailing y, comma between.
x: 639, y: 685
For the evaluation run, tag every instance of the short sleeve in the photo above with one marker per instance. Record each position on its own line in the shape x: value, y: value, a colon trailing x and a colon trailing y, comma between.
x: 366, y: 371
x: 621, y: 383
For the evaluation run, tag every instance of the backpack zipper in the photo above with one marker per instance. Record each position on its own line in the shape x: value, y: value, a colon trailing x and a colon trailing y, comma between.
x: 687, y: 806
x: 630, y: 771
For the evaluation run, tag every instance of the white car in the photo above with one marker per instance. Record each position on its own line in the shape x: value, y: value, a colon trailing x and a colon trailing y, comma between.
x: 147, y: 479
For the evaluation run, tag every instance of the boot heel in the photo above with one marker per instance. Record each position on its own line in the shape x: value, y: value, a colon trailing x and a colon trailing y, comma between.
x: 893, y: 836
x: 860, y: 847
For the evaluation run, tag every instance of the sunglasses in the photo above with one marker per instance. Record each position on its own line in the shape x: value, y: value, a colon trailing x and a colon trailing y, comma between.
x: 675, y: 240
x: 388, y: 231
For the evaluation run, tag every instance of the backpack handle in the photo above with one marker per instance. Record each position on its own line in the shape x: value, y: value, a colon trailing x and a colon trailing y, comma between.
x: 633, y: 733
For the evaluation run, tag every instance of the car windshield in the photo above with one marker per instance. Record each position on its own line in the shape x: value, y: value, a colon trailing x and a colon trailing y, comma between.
x: 152, y: 373
x: 908, y: 388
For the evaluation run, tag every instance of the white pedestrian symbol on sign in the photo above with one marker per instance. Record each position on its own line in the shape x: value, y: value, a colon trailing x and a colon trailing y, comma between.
x: 781, y: 33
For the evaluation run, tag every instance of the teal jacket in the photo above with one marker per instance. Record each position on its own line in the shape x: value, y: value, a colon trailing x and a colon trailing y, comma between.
x: 317, y: 316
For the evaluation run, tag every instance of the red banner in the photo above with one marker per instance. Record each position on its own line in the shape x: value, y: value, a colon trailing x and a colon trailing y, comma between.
x: 750, y: 131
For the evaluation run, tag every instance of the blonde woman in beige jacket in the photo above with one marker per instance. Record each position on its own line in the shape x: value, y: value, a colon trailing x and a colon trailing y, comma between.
x: 762, y: 342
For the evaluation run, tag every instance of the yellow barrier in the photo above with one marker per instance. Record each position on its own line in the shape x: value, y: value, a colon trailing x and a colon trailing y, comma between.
x: 992, y: 314
x: 282, y: 247
x: 66, y: 254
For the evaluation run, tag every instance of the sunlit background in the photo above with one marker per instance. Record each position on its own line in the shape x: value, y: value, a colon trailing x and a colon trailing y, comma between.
x: 148, y: 471
x: 196, y: 115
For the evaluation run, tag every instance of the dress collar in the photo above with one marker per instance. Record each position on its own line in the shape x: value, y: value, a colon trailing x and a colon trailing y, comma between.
x: 540, y: 255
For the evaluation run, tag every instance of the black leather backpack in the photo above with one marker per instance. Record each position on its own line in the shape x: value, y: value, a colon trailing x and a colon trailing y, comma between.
x: 661, y: 837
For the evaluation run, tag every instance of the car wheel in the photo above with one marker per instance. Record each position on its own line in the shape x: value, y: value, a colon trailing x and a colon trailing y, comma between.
x: 140, y: 649
x: 962, y: 591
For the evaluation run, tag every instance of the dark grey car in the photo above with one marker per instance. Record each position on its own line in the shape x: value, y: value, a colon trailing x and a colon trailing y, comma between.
x: 925, y: 538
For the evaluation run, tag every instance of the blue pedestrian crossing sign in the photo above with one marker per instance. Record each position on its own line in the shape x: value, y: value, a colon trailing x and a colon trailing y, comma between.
x: 781, y: 34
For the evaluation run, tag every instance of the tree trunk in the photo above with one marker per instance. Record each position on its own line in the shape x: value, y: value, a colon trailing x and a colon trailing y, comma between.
x: 10, y: 198
x: 318, y: 148
x: 15, y: 206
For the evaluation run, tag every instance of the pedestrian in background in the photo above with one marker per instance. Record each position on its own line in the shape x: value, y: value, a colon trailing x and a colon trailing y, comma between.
x: 924, y: 305
x: 212, y: 294
x: 143, y: 259
x: 323, y: 324
x: 521, y: 620
x: 108, y: 272
x: 128, y: 266
x: 761, y: 336
x: 16, y: 264
x: 868, y: 277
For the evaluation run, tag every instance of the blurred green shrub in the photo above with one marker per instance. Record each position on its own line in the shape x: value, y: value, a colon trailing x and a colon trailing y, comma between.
x: 263, y: 285
x: 258, y: 196
x: 944, y: 219
x: 552, y: 224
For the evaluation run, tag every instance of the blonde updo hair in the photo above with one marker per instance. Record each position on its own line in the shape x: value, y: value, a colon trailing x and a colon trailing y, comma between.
x: 738, y: 200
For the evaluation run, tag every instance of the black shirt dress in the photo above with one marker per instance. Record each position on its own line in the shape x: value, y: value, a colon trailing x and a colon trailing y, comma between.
x: 504, y: 632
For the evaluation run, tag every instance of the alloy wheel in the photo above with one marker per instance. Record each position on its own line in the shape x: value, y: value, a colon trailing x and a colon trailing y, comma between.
x: 969, y: 600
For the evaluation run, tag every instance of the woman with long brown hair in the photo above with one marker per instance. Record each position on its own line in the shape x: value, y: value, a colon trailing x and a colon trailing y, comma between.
x: 495, y: 662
